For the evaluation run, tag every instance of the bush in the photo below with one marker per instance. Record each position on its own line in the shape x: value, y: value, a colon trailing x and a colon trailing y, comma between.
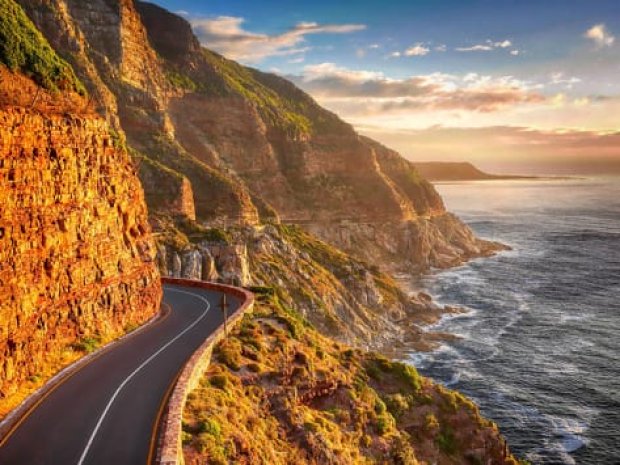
x: 384, y: 424
x: 229, y: 353
x: 23, y: 48
x: 447, y: 442
x: 87, y: 344
x: 211, y: 427
x: 380, y: 407
x: 219, y: 382
x: 409, y: 375
x: 430, y: 422
x: 397, y: 404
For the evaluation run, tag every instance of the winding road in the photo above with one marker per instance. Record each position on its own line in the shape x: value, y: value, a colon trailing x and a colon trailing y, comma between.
x: 108, y: 411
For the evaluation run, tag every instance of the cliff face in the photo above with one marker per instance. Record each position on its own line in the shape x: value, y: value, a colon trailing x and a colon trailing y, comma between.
x: 303, y: 161
x: 76, y: 256
x: 253, y: 145
x: 341, y: 296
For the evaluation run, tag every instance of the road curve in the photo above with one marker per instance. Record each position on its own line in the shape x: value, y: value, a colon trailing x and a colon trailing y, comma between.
x: 107, y: 411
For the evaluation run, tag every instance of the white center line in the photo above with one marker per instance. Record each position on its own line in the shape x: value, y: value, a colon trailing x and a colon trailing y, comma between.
x: 146, y: 362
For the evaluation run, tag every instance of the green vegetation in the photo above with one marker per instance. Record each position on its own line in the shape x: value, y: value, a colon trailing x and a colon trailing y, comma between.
x: 287, y: 114
x: 196, y: 232
x: 180, y: 80
x: 87, y: 344
x: 24, y: 49
x: 447, y: 442
x: 274, y: 397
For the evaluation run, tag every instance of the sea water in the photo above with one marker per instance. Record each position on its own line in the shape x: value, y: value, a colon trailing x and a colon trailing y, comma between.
x: 540, y: 346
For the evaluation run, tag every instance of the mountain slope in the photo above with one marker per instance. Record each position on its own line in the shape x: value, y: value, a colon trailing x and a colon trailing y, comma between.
x: 249, y: 145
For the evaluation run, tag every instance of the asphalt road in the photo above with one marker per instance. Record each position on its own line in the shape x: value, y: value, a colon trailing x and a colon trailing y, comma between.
x: 106, y: 413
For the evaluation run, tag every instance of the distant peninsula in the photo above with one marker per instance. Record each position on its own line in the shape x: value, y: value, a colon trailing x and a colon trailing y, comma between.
x: 459, y: 171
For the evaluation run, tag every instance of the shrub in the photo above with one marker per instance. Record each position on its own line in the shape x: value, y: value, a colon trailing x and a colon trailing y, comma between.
x: 220, y: 382
x: 397, y: 404
x: 254, y: 367
x: 211, y: 427
x: 380, y: 407
x: 430, y: 422
x: 447, y: 442
x: 209, y: 445
x: 384, y: 424
x: 23, y: 48
x: 87, y: 344
x: 229, y: 353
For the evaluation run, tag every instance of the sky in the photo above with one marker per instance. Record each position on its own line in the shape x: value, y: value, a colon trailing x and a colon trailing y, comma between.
x: 521, y: 85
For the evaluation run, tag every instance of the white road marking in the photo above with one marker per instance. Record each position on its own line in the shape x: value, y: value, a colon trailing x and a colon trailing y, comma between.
x: 146, y: 362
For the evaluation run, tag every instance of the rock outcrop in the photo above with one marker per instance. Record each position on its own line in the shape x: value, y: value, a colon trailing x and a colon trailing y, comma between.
x: 76, y: 255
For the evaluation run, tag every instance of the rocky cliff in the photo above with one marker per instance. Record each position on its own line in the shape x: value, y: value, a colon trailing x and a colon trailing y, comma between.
x: 253, y: 147
x: 222, y: 182
x: 76, y: 256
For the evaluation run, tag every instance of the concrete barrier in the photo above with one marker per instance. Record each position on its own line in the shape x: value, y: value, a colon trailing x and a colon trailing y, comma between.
x: 170, y: 447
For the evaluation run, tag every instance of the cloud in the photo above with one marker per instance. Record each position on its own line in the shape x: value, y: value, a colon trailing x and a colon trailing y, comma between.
x: 475, y: 48
x: 226, y: 35
x: 559, y: 79
x: 488, y: 46
x: 600, y: 35
x: 359, y: 92
x: 417, y: 50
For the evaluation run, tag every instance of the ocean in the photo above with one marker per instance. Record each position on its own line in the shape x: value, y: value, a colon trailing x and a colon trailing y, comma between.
x: 539, y: 348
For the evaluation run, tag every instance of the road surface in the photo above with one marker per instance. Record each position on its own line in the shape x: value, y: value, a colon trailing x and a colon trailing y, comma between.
x: 107, y: 412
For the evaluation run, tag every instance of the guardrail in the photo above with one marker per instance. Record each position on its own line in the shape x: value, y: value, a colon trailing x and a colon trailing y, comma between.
x: 170, y: 450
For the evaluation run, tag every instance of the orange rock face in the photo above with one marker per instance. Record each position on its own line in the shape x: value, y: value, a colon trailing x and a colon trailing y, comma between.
x: 76, y: 258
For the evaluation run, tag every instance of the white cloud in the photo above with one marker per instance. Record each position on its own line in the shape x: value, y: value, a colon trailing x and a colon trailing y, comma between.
x: 488, y: 46
x: 226, y: 35
x: 417, y: 50
x: 515, y: 52
x: 559, y: 79
x: 475, y: 48
x: 600, y: 35
x: 441, y: 48
x: 359, y: 92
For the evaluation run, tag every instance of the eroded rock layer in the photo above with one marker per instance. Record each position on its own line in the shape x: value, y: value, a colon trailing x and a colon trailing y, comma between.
x: 76, y: 258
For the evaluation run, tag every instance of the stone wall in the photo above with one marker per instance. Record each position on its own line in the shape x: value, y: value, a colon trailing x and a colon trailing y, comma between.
x: 170, y: 450
x: 76, y: 257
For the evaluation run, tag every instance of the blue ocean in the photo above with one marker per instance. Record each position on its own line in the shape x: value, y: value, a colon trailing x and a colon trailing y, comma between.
x: 539, y: 348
